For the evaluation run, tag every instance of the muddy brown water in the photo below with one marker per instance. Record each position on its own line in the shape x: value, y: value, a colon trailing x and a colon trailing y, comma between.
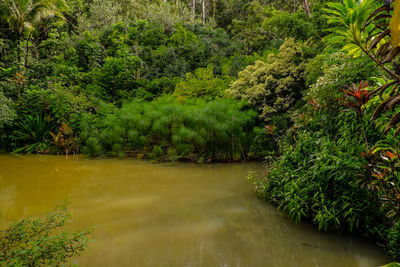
x: 178, y: 214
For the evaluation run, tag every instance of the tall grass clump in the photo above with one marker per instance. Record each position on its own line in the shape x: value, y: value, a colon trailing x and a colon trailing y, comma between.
x: 170, y: 129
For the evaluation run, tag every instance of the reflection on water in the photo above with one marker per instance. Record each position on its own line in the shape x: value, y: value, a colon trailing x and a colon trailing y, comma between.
x: 170, y: 215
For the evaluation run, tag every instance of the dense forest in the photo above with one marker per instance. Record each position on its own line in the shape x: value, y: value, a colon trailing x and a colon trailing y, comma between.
x: 310, y: 87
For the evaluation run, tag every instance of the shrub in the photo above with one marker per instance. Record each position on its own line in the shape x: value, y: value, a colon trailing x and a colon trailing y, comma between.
x: 219, y: 129
x: 274, y: 86
x: 37, y: 242
x: 283, y: 24
x: 7, y: 112
x: 183, y: 37
x: 328, y: 74
x: 59, y: 104
x: 32, y: 134
x: 319, y: 175
x: 117, y: 75
x: 202, y: 84
x: 393, y: 239
x: 160, y: 86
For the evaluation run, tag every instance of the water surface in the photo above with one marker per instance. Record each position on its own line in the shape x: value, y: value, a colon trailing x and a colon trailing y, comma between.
x: 170, y: 215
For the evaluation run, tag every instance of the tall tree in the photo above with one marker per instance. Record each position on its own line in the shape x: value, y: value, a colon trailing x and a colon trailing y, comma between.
x: 307, y: 8
x: 193, y: 10
x: 24, y: 15
x: 204, y: 11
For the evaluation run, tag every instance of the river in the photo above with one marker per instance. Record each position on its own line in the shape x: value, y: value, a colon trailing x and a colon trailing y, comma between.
x: 178, y: 214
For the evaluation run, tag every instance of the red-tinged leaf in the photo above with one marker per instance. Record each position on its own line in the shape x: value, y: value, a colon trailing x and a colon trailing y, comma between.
x: 375, y: 42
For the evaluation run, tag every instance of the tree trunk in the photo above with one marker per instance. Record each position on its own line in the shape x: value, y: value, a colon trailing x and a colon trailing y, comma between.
x: 213, y: 8
x: 306, y: 7
x: 204, y: 11
x: 193, y: 10
x: 27, y: 50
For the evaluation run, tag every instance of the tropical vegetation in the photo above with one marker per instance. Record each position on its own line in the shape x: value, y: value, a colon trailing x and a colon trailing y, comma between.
x: 310, y: 87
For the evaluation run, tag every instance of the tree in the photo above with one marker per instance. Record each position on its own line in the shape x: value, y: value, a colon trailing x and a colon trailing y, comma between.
x: 24, y: 15
x: 193, y: 10
x: 203, y: 7
x: 273, y: 86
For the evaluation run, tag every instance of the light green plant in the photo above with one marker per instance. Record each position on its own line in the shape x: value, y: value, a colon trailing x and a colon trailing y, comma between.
x: 273, y: 86
x: 347, y: 20
x: 202, y: 83
x: 38, y: 242
x: 215, y: 130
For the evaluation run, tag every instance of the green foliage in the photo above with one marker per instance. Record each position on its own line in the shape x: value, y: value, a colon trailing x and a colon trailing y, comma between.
x: 86, y: 52
x: 328, y: 74
x: 59, y: 103
x: 348, y: 20
x: 167, y: 13
x: 117, y: 75
x: 32, y: 134
x: 7, y: 111
x: 392, y: 264
x: 216, y: 130
x: 234, y: 64
x: 38, y: 242
x: 318, y: 175
x: 156, y: 153
x: 160, y: 86
x: 248, y: 27
x: 202, y: 84
x: 283, y: 24
x: 24, y: 16
x: 273, y: 86
x: 182, y: 37
x: 393, y: 242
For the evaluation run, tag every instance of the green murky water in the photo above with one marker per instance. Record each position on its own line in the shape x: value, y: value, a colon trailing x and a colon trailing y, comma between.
x: 170, y: 215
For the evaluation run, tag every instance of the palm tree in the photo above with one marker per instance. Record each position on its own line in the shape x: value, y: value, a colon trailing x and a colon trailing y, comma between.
x: 24, y: 15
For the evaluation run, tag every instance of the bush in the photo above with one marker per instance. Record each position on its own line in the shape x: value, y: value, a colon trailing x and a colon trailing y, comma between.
x: 283, y: 24
x: 319, y: 175
x: 7, y: 112
x: 274, y: 86
x: 32, y: 134
x: 60, y: 103
x: 328, y: 74
x: 37, y: 242
x: 202, y: 84
x: 393, y: 239
x: 218, y: 130
x: 117, y: 75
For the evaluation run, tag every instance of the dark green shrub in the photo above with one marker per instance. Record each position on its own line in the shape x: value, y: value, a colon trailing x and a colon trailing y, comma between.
x: 7, y: 111
x: 118, y: 75
x: 319, y: 174
x: 156, y: 153
x: 393, y: 239
x: 162, y: 86
x: 32, y: 134
x: 284, y: 24
x: 60, y: 103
